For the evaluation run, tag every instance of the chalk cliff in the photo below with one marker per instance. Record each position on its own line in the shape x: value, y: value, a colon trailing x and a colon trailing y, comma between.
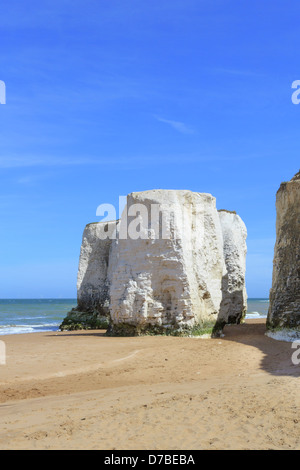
x: 172, y: 264
x: 234, y: 296
x: 173, y: 282
x: 284, y: 311
x: 92, y: 283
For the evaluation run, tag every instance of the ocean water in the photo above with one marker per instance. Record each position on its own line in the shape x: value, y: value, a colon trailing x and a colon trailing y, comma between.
x: 257, y: 308
x: 34, y: 315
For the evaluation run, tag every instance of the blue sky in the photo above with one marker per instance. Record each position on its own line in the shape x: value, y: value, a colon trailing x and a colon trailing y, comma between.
x: 108, y: 97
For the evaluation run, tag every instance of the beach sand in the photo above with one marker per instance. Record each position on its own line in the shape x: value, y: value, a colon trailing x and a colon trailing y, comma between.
x: 82, y: 390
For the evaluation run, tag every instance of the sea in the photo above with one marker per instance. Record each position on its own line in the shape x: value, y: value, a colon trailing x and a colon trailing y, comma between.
x: 33, y: 315
x: 19, y: 316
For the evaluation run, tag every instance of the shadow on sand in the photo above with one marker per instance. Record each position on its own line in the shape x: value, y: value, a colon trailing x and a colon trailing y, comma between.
x: 277, y: 355
x: 99, y: 333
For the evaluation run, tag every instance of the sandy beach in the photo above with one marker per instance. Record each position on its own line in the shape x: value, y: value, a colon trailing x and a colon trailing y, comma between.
x: 82, y: 390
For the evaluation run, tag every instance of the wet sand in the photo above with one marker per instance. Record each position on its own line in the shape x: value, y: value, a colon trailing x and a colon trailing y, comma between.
x: 82, y: 390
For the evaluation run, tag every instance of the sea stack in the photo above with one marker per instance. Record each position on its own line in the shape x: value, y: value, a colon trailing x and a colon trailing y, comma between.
x: 172, y: 264
x: 172, y: 280
x: 233, y: 307
x: 93, y: 295
x: 284, y: 312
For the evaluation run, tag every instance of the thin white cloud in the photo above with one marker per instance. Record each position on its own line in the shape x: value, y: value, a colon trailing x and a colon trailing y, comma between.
x: 28, y: 161
x: 13, y: 162
x: 241, y: 72
x: 177, y: 125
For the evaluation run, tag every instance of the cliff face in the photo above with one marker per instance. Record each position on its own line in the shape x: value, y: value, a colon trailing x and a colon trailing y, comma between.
x: 172, y: 282
x: 234, y: 296
x: 284, y: 310
x: 174, y: 264
x: 92, y: 283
